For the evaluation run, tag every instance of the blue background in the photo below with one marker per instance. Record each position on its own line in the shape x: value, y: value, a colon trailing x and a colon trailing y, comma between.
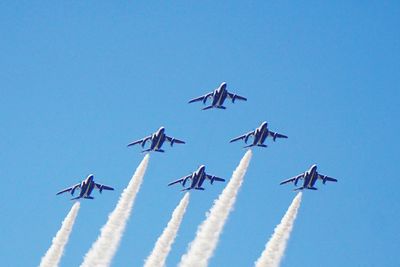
x: 81, y: 79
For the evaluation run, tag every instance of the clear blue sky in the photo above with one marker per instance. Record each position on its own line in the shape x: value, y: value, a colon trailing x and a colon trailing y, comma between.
x: 81, y: 79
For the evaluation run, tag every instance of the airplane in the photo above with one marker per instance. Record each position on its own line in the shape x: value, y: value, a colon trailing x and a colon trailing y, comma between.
x: 260, y: 134
x: 218, y: 97
x: 197, y: 178
x: 310, y: 177
x: 86, y: 187
x: 157, y: 140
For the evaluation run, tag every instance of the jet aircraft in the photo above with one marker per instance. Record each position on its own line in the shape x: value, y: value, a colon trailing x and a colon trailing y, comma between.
x: 309, y: 177
x: 259, y: 134
x: 218, y: 97
x: 197, y: 178
x: 86, y: 187
x: 157, y: 140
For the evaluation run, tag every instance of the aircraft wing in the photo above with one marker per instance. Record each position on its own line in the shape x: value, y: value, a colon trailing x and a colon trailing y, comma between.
x: 325, y: 178
x: 103, y: 187
x: 141, y: 141
x: 69, y: 189
x: 276, y: 135
x: 245, y: 136
x: 174, y: 140
x: 213, y: 178
x: 235, y: 96
x: 293, y: 179
x: 180, y: 180
x: 201, y: 98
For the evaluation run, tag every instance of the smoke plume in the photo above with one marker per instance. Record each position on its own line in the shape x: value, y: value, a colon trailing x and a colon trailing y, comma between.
x: 202, y: 247
x: 55, y: 252
x: 106, y: 245
x: 163, y: 245
x: 275, y: 248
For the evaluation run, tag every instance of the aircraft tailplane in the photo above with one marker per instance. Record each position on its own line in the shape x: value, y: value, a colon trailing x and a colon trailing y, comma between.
x: 208, y: 107
x: 75, y: 198
x: 199, y: 188
x: 299, y: 188
x: 156, y: 150
x: 186, y: 189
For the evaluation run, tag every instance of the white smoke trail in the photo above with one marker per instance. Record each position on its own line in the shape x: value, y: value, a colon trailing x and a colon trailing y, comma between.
x: 202, y: 247
x: 275, y: 248
x: 163, y: 245
x: 105, y: 247
x: 55, y: 252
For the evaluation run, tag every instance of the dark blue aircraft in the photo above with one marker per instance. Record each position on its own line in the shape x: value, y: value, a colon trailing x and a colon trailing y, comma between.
x: 309, y: 178
x: 86, y: 187
x: 218, y: 97
x: 259, y: 136
x: 157, y: 140
x: 197, y: 178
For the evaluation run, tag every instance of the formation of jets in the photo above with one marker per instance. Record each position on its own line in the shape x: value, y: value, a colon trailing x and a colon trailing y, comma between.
x: 197, y: 178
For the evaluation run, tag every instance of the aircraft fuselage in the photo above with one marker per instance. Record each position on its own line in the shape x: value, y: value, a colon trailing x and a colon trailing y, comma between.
x: 219, y: 95
x: 310, y: 178
x: 158, y: 139
x: 87, y: 187
x: 198, y: 178
x: 260, y: 134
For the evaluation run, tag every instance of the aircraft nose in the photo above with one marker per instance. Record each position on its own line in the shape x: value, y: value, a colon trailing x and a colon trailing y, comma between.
x: 314, y: 166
